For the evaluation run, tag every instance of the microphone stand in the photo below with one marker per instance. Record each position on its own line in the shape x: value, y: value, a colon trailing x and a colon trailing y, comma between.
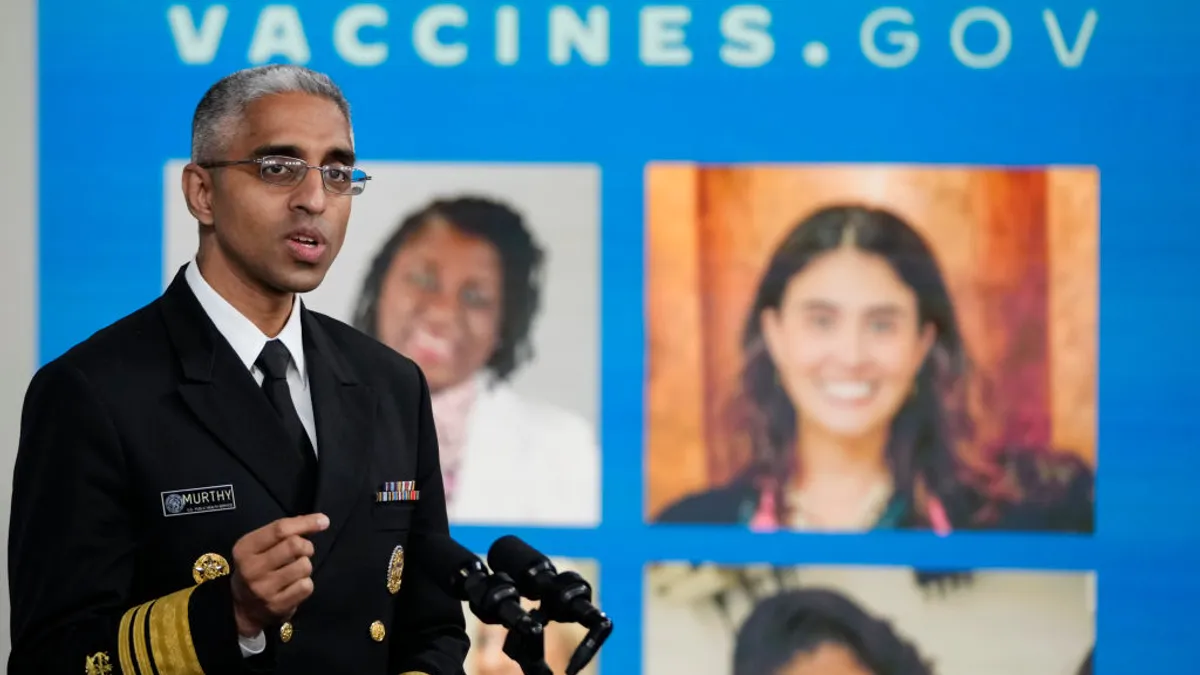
x: 528, y: 647
x: 599, y: 628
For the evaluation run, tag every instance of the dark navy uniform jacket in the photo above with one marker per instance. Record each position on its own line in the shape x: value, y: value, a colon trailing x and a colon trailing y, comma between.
x: 148, y: 450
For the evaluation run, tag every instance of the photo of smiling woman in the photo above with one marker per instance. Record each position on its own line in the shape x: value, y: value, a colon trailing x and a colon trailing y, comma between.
x: 456, y: 288
x: 857, y: 403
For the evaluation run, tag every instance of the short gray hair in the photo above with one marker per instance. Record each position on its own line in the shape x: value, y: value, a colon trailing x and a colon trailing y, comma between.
x: 225, y: 102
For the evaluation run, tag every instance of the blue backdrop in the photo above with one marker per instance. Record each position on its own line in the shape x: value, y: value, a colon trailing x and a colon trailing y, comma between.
x: 116, y: 99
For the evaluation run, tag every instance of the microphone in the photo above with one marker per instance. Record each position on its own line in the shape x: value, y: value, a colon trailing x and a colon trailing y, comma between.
x: 461, y: 574
x: 565, y: 596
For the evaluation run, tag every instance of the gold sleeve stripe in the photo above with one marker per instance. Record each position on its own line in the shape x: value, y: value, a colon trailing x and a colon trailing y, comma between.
x: 139, y: 639
x: 123, y: 643
x: 155, y: 638
x: 131, y: 628
x: 171, y: 636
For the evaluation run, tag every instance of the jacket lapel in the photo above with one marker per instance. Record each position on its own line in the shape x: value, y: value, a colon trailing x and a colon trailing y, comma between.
x: 223, y: 395
x: 345, y: 413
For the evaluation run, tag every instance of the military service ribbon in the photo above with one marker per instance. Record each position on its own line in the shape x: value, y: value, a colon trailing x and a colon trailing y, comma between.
x: 398, y: 491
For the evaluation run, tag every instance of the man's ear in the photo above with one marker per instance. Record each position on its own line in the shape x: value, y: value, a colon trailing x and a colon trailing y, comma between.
x: 197, y: 186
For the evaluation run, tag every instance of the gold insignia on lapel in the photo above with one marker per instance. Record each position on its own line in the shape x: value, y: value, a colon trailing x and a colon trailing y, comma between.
x: 285, y: 631
x: 98, y: 664
x: 209, y: 566
x: 378, y: 632
x: 395, y: 570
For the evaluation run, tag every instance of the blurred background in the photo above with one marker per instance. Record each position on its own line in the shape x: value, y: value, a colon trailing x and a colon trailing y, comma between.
x: 18, y: 236
x: 681, y: 258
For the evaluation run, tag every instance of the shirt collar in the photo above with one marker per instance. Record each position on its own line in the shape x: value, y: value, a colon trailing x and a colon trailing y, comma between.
x: 241, y: 333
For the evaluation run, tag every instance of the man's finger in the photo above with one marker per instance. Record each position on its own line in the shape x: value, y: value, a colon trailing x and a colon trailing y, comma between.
x: 271, y: 534
x: 284, y: 552
x: 287, y: 575
x: 289, y: 598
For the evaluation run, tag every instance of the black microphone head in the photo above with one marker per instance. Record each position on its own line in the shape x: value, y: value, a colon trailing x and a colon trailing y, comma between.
x: 512, y: 551
x: 449, y: 563
x: 522, y: 562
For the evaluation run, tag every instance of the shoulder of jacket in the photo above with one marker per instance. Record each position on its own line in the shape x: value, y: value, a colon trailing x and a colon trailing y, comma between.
x: 113, y: 347
x: 1054, y: 490
x: 1044, y: 471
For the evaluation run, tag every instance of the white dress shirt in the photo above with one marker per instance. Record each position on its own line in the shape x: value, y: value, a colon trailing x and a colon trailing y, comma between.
x: 248, y: 342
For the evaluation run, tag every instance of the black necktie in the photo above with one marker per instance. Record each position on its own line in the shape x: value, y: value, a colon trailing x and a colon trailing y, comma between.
x: 273, y: 362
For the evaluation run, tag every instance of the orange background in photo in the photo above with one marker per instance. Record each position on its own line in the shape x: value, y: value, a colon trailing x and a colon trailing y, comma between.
x: 1018, y: 249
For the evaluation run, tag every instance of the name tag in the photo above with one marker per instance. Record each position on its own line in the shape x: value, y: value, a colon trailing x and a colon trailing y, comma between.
x: 198, y: 500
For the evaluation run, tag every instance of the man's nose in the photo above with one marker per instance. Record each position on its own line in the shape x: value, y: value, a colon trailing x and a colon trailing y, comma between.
x: 310, y: 195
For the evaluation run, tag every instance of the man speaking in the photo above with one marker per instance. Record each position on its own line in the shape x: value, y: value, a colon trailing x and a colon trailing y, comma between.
x: 224, y: 481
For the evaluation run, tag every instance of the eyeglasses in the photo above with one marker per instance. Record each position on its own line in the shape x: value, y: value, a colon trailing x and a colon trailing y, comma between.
x: 289, y: 171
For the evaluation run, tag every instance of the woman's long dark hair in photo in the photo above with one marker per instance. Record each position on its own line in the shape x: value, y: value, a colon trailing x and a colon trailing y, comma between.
x: 521, y: 260
x: 947, y: 471
x: 927, y: 449
x: 798, y: 622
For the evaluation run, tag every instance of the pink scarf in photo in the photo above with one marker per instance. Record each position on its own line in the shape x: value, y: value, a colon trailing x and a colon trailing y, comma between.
x: 451, y: 415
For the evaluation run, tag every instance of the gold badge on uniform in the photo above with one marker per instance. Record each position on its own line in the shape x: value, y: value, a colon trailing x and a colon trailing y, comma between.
x: 395, y: 570
x: 97, y: 664
x: 209, y: 566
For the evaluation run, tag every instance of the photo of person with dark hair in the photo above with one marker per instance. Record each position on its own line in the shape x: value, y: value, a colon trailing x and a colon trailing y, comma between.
x: 707, y: 619
x: 456, y: 288
x: 858, y: 404
x: 820, y: 632
x: 487, y: 276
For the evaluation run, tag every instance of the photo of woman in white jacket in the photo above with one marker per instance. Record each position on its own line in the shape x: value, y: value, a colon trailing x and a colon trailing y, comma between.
x: 456, y: 288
